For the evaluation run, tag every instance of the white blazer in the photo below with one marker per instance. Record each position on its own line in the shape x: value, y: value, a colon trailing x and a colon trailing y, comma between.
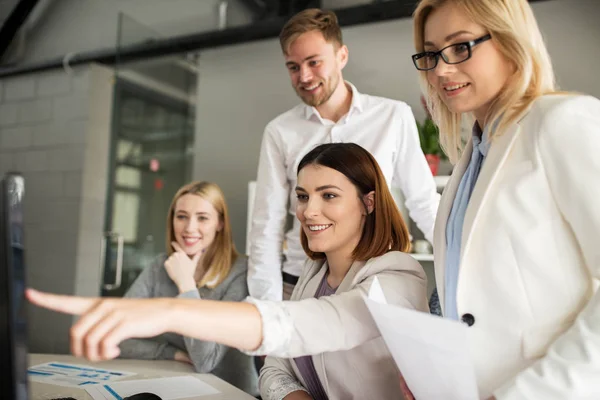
x: 530, y: 256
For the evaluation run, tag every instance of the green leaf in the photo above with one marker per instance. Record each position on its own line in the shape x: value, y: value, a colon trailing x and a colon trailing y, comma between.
x: 429, y: 136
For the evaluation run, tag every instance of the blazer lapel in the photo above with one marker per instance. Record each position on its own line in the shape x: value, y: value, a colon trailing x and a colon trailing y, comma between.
x: 306, y: 288
x: 348, y: 281
x: 441, y: 220
x: 346, y: 284
x: 496, y: 157
x: 307, y: 284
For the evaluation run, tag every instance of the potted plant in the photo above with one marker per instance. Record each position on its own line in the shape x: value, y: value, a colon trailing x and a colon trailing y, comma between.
x: 429, y: 135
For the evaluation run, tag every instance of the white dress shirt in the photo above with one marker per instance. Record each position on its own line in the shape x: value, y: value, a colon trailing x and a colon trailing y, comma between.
x: 384, y: 127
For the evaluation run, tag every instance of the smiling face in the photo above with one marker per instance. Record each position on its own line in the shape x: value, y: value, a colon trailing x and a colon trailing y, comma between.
x: 330, y: 211
x: 195, y: 223
x: 315, y: 67
x: 473, y: 85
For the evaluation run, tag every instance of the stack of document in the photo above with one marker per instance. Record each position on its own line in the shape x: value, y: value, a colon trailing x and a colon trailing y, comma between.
x: 102, y: 384
x: 74, y: 375
x: 431, y: 352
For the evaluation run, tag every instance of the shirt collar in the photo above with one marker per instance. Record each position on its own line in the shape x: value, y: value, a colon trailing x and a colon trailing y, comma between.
x: 480, y: 139
x: 356, y: 105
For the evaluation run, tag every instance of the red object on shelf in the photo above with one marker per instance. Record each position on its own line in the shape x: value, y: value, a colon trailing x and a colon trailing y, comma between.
x: 158, y: 184
x: 434, y: 163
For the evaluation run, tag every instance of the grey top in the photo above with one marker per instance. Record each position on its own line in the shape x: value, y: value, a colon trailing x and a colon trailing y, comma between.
x: 305, y: 363
x: 208, y: 357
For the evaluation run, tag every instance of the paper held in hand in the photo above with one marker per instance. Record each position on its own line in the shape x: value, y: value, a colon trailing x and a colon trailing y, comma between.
x: 431, y: 352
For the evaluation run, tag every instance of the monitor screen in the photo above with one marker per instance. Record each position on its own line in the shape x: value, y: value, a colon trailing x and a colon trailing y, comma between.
x: 13, y: 332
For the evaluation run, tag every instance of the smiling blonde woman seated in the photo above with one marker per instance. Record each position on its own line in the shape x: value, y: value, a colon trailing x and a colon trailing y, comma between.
x: 201, y: 262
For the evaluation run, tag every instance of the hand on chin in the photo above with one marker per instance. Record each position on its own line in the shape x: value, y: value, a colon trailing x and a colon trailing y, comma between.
x: 181, y: 268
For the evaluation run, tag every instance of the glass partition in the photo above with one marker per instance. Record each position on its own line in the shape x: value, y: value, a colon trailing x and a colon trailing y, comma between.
x: 151, y: 155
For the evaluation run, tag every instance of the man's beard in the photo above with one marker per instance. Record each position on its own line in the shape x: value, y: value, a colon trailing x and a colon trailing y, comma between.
x: 326, y: 91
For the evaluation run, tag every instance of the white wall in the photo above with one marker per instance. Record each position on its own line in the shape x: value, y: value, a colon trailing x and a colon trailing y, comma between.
x: 572, y: 32
x: 242, y: 87
x: 83, y: 25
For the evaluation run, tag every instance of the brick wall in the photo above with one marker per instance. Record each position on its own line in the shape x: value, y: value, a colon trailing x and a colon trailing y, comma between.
x: 55, y: 129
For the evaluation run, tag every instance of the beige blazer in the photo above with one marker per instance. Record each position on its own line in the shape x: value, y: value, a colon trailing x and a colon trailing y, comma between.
x: 350, y: 357
x: 530, y: 256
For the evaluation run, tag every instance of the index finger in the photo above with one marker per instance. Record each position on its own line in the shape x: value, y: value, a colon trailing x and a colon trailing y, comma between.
x: 65, y: 304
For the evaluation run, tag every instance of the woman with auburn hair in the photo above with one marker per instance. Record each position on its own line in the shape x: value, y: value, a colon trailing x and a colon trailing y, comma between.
x: 201, y: 263
x: 516, y: 253
x: 324, y: 343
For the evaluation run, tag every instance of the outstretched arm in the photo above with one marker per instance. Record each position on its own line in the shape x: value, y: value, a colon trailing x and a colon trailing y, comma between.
x: 106, y: 322
x: 289, y: 328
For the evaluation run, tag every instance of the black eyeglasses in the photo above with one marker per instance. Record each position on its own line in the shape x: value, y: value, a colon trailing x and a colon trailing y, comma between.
x: 453, y: 54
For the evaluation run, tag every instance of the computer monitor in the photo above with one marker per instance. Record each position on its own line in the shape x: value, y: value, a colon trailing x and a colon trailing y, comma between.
x: 13, y: 329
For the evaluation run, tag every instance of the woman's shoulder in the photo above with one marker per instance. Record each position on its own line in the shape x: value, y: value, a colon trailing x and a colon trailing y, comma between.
x: 557, y: 119
x: 234, y: 283
x: 396, y: 269
x: 160, y: 259
x: 240, y: 264
x: 156, y: 268
x: 157, y: 263
x: 561, y: 105
x: 239, y: 267
x: 392, y: 260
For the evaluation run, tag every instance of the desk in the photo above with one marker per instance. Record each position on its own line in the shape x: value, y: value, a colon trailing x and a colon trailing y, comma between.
x: 144, y: 370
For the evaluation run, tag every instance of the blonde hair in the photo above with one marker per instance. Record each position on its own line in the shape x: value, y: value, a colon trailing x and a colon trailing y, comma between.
x: 221, y: 254
x: 312, y: 19
x: 515, y: 32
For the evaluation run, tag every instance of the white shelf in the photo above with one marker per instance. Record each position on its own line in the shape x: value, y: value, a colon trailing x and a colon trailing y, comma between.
x: 422, y: 257
x: 441, y: 180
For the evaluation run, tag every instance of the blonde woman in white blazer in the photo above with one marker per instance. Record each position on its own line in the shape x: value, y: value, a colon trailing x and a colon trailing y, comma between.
x: 328, y: 346
x: 517, y: 252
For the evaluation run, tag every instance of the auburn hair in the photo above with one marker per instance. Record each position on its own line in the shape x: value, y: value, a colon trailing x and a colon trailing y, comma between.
x: 384, y: 229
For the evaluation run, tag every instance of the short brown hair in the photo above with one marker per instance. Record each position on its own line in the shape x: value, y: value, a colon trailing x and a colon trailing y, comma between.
x: 384, y: 229
x: 311, y: 19
x: 221, y: 254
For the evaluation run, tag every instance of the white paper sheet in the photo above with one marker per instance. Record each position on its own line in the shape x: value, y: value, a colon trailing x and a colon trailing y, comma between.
x: 179, y: 387
x: 376, y: 292
x: 431, y: 352
x: 73, y: 375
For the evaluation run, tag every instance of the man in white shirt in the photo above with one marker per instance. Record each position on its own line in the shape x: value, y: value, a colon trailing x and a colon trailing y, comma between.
x: 333, y: 111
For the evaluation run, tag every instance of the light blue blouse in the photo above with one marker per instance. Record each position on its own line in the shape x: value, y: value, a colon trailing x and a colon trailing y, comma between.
x: 456, y: 219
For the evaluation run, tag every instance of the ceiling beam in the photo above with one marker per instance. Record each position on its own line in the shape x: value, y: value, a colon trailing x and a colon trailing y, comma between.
x: 15, y: 20
x: 265, y: 29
